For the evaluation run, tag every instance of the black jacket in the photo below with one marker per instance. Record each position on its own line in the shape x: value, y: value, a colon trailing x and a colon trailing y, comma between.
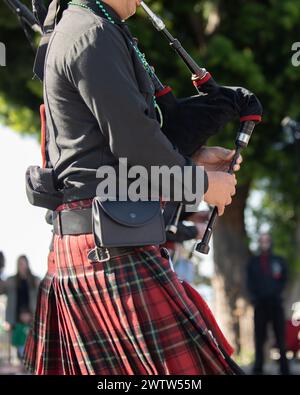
x: 99, y: 104
x: 266, y: 285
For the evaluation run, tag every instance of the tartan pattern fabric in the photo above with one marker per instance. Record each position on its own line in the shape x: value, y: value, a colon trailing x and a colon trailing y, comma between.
x: 130, y: 315
x: 77, y: 204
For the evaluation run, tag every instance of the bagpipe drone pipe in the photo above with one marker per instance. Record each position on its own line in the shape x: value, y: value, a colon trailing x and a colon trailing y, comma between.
x: 189, y: 122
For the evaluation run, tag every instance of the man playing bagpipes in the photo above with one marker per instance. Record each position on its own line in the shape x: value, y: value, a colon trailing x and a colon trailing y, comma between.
x: 108, y: 305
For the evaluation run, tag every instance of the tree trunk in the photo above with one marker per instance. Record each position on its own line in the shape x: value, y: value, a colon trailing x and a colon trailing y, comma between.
x: 230, y: 255
x: 292, y: 294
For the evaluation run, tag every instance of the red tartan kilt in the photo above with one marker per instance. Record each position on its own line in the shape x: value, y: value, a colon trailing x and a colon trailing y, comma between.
x: 130, y: 315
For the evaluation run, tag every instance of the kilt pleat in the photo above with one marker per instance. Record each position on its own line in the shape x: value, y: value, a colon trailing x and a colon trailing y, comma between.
x: 130, y: 315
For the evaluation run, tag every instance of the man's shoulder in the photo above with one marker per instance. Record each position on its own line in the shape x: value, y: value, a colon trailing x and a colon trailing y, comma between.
x: 78, y: 33
x: 80, y: 25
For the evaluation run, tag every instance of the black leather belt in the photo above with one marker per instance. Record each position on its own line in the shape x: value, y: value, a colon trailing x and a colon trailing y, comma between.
x: 73, y: 222
x: 79, y: 221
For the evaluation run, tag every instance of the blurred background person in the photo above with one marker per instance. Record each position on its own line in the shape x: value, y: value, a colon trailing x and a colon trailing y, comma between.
x: 21, y: 290
x: 266, y: 280
x: 21, y: 330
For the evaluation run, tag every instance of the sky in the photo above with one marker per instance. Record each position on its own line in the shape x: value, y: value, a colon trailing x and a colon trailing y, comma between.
x: 23, y: 228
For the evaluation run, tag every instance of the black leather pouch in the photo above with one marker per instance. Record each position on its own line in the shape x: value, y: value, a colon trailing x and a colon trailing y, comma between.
x: 127, y: 224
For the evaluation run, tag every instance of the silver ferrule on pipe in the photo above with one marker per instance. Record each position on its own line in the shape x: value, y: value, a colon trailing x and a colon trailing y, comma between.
x: 244, y: 138
x: 157, y: 22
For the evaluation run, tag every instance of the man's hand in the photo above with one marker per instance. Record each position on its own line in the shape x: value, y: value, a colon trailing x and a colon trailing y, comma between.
x: 216, y: 158
x: 221, y: 188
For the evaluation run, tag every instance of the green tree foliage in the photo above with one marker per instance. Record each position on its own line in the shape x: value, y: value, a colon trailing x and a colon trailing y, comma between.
x: 249, y: 44
x: 20, y: 95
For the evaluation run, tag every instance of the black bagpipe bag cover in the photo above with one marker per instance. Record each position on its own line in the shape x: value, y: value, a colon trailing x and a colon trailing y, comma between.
x: 189, y: 122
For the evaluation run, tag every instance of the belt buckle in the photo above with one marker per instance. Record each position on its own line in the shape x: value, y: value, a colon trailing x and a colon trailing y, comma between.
x: 106, y: 256
x: 99, y: 254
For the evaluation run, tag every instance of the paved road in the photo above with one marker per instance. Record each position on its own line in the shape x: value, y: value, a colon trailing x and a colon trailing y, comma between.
x: 272, y: 368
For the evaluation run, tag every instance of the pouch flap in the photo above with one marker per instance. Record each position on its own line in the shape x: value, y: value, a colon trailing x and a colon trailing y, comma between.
x: 133, y: 214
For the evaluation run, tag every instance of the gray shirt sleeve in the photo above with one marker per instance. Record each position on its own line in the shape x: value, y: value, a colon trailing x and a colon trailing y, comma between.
x: 100, y: 67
